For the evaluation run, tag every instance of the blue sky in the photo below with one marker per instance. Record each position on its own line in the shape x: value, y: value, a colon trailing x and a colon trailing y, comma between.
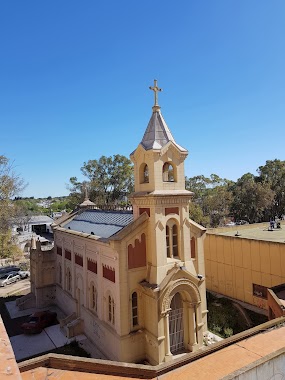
x: 74, y: 80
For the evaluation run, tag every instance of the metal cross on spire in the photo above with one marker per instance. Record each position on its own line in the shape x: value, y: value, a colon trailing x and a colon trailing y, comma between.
x: 85, y: 191
x: 155, y: 89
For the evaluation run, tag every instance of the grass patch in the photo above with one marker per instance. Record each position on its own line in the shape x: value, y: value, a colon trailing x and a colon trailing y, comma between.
x: 72, y: 349
x: 224, y: 319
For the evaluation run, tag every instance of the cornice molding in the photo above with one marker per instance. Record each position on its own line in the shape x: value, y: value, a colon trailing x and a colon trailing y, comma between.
x: 158, y: 201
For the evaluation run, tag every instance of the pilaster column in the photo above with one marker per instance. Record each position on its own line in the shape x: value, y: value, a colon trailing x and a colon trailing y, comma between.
x: 168, y: 354
x: 192, y: 342
x: 63, y: 266
x: 199, y: 325
x: 85, y: 277
x: 73, y: 273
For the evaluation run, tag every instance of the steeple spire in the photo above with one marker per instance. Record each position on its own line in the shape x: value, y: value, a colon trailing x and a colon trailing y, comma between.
x: 87, y: 202
x: 157, y: 134
x: 155, y: 89
x: 85, y: 191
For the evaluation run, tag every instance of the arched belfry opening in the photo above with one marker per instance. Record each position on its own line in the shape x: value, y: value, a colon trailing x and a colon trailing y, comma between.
x: 144, y: 173
x: 168, y: 172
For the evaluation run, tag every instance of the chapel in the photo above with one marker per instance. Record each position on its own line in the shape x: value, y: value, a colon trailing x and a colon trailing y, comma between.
x: 132, y: 281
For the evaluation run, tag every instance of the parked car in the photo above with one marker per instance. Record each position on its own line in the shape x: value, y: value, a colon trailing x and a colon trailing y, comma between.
x: 8, y: 278
x: 9, y: 269
x: 24, y: 273
x: 38, y: 321
x: 241, y: 222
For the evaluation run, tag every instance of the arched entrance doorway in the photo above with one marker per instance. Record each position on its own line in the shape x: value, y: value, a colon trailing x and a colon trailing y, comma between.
x: 181, y: 313
x: 176, y: 326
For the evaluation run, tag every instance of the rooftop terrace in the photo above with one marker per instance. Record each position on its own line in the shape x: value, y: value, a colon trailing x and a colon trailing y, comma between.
x: 258, y: 231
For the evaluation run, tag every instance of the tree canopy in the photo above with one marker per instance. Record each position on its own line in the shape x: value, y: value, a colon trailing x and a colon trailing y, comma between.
x: 11, y: 184
x: 109, y: 181
x: 212, y: 199
x: 253, y: 198
x: 216, y: 200
x: 273, y: 175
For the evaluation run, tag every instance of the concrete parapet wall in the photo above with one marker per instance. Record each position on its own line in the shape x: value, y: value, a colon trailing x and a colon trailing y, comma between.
x: 271, y: 366
x: 149, y: 372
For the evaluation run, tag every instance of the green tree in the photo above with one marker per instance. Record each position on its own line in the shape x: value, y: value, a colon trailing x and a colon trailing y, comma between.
x: 196, y: 214
x: 198, y: 185
x: 10, y: 185
x: 59, y: 205
x: 8, y: 247
x: 76, y: 194
x: 251, y: 199
x: 109, y: 180
x: 273, y: 175
x: 211, y: 200
x: 27, y: 207
x: 217, y: 203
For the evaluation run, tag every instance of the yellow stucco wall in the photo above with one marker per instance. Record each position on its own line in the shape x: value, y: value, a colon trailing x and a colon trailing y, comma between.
x: 234, y: 264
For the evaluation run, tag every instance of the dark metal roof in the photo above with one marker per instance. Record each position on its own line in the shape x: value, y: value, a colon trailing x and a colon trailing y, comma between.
x: 100, y: 223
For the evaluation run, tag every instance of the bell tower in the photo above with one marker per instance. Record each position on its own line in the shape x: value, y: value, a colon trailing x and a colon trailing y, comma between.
x: 160, y: 191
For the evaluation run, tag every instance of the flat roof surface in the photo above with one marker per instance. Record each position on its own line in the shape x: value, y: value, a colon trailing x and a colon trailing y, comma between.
x: 253, y: 231
x: 40, y: 219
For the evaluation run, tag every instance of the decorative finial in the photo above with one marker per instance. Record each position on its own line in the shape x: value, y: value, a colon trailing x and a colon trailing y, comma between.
x: 155, y: 89
x: 85, y: 191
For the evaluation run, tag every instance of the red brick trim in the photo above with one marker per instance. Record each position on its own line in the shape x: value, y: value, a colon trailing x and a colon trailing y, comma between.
x: 67, y: 254
x: 92, y: 266
x: 171, y: 210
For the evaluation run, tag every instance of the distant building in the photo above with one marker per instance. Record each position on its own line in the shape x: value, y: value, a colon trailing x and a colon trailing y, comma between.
x: 40, y: 224
x: 25, y: 228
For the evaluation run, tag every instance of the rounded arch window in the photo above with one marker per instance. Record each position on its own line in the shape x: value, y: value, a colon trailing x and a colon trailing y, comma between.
x: 93, y: 297
x: 59, y: 274
x: 144, y: 173
x: 69, y: 280
x: 111, y: 309
x: 172, y: 246
x: 168, y: 173
x: 135, y: 320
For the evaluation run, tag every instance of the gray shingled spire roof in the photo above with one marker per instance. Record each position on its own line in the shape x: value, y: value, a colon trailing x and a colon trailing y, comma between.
x: 157, y: 134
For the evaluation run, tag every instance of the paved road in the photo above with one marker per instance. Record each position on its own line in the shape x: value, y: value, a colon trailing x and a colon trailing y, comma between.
x: 20, y: 287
